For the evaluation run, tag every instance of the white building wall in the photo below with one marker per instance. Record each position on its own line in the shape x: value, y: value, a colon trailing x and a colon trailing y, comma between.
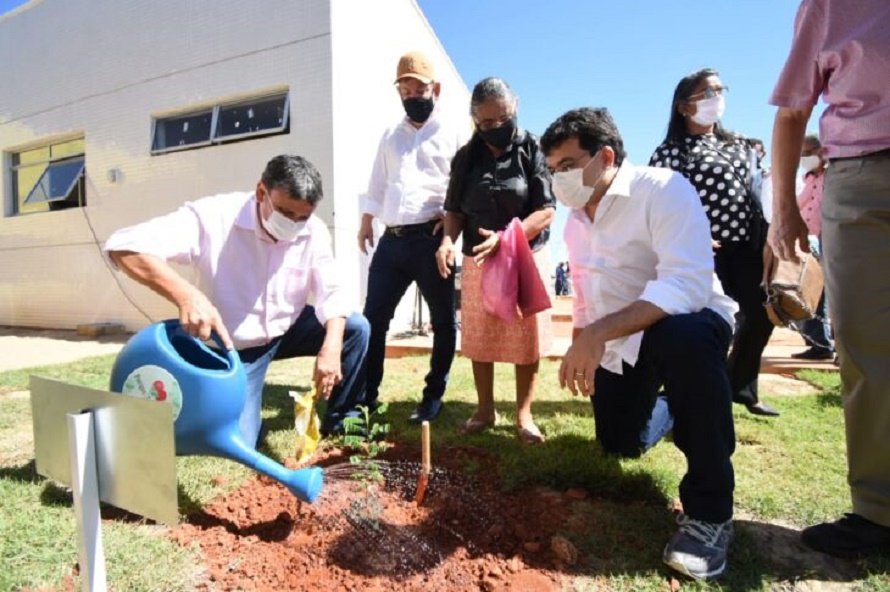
x: 102, y: 68
x: 367, y: 40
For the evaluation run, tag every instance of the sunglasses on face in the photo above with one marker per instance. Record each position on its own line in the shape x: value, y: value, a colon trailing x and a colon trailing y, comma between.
x: 709, y: 93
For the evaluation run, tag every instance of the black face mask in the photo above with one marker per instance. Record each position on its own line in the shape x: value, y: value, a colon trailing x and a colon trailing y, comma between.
x: 499, y: 137
x: 418, y: 110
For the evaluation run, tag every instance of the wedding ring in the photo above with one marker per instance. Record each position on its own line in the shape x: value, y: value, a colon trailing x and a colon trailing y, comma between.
x: 579, y: 374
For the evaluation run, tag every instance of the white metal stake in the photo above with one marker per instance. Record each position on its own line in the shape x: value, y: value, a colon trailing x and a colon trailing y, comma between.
x: 85, y: 485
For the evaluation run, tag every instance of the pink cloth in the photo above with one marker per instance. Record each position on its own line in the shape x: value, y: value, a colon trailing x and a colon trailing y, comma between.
x: 512, y: 288
x: 259, y: 286
x: 810, y: 202
x: 841, y: 51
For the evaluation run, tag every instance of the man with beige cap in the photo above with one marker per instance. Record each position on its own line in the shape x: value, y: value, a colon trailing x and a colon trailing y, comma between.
x: 406, y: 193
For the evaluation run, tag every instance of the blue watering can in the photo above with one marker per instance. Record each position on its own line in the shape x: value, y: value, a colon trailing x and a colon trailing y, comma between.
x: 207, y: 391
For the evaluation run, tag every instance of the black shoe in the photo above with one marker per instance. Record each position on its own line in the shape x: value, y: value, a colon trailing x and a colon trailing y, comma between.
x: 428, y: 410
x: 761, y: 408
x: 814, y: 353
x: 850, y: 537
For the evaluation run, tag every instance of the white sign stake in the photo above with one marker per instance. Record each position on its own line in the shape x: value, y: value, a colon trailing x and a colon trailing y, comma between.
x: 85, y: 485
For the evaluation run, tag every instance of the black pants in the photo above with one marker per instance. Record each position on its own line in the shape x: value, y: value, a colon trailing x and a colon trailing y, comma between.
x: 686, y: 354
x: 740, y: 269
x: 397, y: 262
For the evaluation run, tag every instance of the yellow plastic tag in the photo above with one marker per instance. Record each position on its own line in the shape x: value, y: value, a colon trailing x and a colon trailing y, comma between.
x: 305, y: 425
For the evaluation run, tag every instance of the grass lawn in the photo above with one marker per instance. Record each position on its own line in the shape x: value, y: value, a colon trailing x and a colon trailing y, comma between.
x: 790, y: 472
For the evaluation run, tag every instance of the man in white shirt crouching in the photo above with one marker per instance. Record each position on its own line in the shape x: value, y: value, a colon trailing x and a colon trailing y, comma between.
x: 649, y: 313
x: 258, y: 257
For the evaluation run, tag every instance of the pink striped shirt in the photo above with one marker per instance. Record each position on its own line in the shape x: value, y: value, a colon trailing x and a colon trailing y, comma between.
x: 259, y: 286
x: 841, y: 51
x: 810, y: 202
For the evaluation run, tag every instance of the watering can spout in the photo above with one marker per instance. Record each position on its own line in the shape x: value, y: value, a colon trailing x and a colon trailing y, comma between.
x: 305, y: 484
x: 207, y: 389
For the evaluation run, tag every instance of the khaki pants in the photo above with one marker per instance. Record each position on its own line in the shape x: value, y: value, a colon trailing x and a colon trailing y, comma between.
x: 856, y: 232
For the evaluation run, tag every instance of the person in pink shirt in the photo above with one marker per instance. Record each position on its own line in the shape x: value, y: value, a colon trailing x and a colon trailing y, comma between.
x: 258, y: 257
x: 841, y: 54
x: 816, y: 331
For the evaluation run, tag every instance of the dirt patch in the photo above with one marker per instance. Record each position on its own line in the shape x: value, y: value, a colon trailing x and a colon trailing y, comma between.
x: 779, y: 384
x: 366, y: 533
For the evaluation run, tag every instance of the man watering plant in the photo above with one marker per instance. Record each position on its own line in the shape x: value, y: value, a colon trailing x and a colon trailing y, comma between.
x: 258, y: 257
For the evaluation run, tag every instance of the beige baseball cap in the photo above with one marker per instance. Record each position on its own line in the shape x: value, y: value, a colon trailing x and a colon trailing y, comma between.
x: 414, y: 64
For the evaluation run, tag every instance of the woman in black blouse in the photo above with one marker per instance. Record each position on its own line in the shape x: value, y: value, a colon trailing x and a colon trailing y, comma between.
x: 716, y: 162
x: 500, y: 174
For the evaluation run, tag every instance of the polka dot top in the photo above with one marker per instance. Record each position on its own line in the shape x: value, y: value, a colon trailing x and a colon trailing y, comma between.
x: 718, y: 169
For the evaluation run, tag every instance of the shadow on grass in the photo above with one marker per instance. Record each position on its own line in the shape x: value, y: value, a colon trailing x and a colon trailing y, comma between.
x: 613, y: 539
x: 26, y: 473
x: 763, y: 553
x: 566, y: 460
x: 830, y: 398
x: 51, y: 494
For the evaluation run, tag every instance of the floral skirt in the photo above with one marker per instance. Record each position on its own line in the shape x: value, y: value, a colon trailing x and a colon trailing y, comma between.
x: 487, y: 338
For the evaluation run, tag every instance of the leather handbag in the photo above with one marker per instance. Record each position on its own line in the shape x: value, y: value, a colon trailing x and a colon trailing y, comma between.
x: 794, y: 290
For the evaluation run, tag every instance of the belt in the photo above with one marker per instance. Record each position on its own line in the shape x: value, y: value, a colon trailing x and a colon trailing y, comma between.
x: 409, y: 229
x: 879, y: 155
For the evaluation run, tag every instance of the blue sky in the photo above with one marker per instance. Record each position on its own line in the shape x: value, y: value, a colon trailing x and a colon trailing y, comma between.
x: 7, y: 5
x: 627, y: 55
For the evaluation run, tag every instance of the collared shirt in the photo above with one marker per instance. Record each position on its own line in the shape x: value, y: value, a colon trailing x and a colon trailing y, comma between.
x: 841, y: 51
x: 410, y: 174
x: 494, y: 190
x: 649, y: 241
x: 719, y: 170
x: 259, y: 286
x: 810, y: 202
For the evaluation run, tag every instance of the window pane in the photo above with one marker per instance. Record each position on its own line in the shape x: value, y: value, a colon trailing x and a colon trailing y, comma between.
x: 57, y: 181
x: 257, y: 115
x: 32, y: 156
x: 72, y: 148
x: 25, y: 179
x: 183, y: 130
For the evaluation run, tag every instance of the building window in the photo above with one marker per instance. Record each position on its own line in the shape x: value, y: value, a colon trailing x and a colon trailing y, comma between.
x: 225, y: 122
x: 49, y: 178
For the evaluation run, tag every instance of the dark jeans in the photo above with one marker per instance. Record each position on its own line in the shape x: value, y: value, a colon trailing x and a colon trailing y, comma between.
x: 399, y: 261
x: 740, y: 269
x: 685, y: 354
x: 305, y: 338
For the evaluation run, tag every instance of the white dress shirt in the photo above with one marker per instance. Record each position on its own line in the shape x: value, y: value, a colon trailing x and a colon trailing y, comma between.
x: 259, y: 286
x: 651, y: 241
x: 411, y: 171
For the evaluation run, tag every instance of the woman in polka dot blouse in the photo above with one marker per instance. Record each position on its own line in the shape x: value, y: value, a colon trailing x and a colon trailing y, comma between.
x: 716, y: 162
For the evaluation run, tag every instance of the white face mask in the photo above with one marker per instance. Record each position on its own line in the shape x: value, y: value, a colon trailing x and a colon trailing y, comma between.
x: 280, y: 226
x: 569, y: 187
x: 709, y: 111
x: 810, y: 163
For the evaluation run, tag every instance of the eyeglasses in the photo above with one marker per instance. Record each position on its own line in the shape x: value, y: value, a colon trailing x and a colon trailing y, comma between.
x: 488, y: 124
x: 709, y: 93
